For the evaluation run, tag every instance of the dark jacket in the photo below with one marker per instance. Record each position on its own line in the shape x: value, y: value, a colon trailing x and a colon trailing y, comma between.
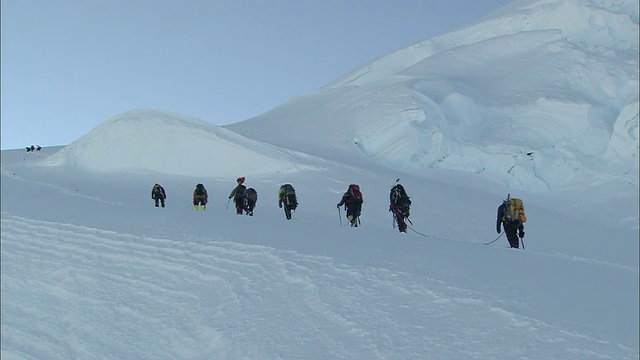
x: 349, y: 200
x: 203, y: 195
x: 158, y: 192
x: 237, y: 192
x: 499, y: 220
x: 399, y: 199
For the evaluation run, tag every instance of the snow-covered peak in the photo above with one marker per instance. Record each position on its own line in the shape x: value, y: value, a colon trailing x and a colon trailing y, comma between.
x: 611, y: 24
x: 538, y: 95
x: 163, y: 142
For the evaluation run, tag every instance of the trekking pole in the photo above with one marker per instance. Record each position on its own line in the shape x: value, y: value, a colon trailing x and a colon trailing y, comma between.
x: 227, y: 208
x: 339, y: 217
x: 522, y: 241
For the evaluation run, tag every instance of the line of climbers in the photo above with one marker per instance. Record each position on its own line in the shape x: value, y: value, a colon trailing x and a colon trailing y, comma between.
x: 244, y: 198
x: 33, y: 148
x: 510, y: 213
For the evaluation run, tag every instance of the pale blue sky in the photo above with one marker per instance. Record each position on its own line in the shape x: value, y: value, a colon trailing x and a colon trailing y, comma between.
x: 69, y: 65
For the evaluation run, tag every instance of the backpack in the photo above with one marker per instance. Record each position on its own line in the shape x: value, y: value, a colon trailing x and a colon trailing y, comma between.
x: 287, y: 189
x: 513, y: 210
x: 251, y: 194
x: 200, y: 190
x: 287, y: 194
x: 354, y: 191
x: 399, y: 197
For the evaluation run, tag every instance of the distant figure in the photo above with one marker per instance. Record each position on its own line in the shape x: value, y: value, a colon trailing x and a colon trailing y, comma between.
x: 38, y: 148
x: 238, y: 195
x: 28, y: 148
x: 200, y: 197
x: 250, y: 199
x: 287, y: 196
x: 511, y: 216
x: 399, y: 205
x: 33, y: 148
x: 352, y: 200
x: 158, y: 194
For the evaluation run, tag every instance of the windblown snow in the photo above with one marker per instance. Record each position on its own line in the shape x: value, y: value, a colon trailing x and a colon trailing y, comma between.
x: 538, y: 100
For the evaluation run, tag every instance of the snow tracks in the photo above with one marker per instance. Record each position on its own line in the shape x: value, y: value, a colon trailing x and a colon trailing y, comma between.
x: 76, y: 292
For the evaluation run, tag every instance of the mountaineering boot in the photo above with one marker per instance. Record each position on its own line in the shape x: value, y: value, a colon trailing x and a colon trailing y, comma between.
x: 195, y: 207
x: 202, y: 207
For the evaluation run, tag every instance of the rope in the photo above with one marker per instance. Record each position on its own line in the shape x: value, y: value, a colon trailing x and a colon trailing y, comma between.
x: 494, y: 240
x: 419, y: 233
x: 431, y: 236
x: 449, y: 239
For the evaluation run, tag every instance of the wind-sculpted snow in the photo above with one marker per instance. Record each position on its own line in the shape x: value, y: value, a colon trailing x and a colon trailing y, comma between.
x: 167, y: 143
x: 95, y: 293
x: 609, y: 24
x: 539, y: 95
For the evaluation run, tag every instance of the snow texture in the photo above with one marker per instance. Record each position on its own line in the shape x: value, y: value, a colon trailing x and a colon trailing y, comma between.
x: 538, y: 100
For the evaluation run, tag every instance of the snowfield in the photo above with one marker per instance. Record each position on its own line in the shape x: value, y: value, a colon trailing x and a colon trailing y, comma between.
x: 538, y: 100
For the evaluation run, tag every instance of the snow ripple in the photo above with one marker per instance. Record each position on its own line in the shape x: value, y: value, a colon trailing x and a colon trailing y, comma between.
x: 123, y: 296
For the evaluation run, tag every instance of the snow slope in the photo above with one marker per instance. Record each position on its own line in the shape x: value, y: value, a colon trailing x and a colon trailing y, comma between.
x: 557, y: 79
x: 91, y: 269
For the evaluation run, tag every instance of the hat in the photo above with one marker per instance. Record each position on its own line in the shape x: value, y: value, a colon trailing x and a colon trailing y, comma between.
x: 240, y: 180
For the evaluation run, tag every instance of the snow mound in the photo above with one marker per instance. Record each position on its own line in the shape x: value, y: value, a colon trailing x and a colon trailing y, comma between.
x: 163, y: 142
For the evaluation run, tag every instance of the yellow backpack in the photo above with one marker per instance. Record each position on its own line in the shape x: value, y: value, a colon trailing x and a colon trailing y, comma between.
x: 514, y: 210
